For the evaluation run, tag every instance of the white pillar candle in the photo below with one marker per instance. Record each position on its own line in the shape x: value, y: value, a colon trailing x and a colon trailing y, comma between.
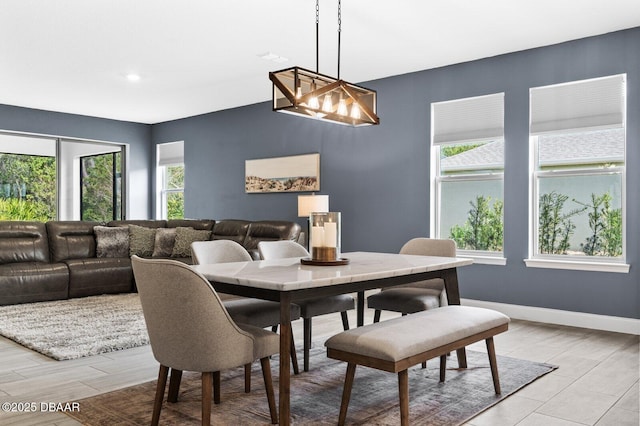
x: 330, y: 234
x: 317, y: 236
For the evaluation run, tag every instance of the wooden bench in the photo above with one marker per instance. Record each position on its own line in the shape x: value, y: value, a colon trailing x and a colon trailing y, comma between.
x: 400, y: 343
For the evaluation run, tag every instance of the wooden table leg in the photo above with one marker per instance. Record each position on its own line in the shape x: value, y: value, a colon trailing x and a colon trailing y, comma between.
x: 284, y: 381
x: 450, y: 277
x: 360, y: 309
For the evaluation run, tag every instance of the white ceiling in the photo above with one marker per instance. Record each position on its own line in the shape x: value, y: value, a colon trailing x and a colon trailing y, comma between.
x: 198, y: 56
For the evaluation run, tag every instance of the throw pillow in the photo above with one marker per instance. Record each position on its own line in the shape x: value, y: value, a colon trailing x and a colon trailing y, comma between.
x: 141, y: 240
x: 111, y: 241
x: 165, y: 239
x: 184, y: 238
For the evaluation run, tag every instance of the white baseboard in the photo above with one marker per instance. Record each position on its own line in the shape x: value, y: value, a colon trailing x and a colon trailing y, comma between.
x: 556, y: 316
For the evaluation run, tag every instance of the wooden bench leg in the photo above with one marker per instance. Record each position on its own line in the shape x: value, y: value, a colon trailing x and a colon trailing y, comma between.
x: 403, y: 390
x: 462, y: 358
x: 443, y: 367
x: 346, y: 392
x: 494, y: 365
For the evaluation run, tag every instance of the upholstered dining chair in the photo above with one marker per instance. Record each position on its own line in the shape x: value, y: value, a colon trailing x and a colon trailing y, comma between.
x: 312, y: 307
x: 189, y: 329
x: 418, y: 296
x: 243, y: 310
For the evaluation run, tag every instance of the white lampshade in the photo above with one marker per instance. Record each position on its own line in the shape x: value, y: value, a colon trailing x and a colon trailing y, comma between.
x: 308, y: 204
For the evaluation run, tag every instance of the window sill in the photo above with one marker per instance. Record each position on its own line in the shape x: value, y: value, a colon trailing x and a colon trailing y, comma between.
x: 621, y: 268
x: 485, y: 260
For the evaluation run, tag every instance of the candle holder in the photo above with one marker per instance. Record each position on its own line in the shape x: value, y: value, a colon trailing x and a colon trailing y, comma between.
x: 324, y: 239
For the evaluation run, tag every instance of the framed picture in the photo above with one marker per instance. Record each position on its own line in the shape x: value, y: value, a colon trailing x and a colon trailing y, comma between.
x: 294, y: 173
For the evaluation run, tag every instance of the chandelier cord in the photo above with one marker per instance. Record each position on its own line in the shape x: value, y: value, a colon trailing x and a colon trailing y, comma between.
x: 339, y: 31
x: 317, y: 36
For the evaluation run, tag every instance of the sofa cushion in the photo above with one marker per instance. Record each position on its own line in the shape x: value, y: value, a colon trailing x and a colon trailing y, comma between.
x: 90, y: 277
x: 230, y: 229
x: 147, y: 223
x: 28, y: 282
x: 270, y: 230
x: 112, y: 241
x: 23, y: 242
x: 71, y: 239
x: 164, y: 242
x: 184, y: 238
x: 204, y: 224
x: 141, y: 241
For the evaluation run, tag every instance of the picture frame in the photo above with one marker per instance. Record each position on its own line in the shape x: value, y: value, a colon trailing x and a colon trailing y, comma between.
x: 294, y: 173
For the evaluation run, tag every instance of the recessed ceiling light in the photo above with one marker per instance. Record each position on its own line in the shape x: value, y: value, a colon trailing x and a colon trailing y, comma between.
x: 133, y: 77
x: 269, y: 56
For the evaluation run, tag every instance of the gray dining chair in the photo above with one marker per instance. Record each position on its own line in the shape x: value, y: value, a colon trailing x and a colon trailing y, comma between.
x: 244, y: 310
x: 417, y: 296
x: 312, y: 307
x: 190, y: 330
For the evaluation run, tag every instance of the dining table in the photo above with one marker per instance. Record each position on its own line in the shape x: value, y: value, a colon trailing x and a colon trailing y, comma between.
x: 289, y: 280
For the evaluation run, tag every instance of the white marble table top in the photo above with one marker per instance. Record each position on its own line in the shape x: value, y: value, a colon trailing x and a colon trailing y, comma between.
x: 289, y: 274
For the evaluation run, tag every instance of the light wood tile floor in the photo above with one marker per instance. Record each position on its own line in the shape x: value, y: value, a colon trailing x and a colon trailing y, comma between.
x: 596, y: 384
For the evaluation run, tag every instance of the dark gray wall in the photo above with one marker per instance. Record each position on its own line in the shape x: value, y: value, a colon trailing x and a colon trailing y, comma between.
x: 138, y: 137
x: 378, y: 177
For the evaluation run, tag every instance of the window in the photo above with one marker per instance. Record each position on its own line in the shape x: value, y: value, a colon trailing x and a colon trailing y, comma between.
x: 27, y: 178
x: 467, y: 174
x: 577, y: 136
x: 171, y: 180
x: 100, y: 187
x: 46, y: 178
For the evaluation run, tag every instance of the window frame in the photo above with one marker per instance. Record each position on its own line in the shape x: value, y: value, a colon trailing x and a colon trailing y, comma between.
x: 479, y: 256
x: 169, y: 154
x: 164, y: 191
x: 487, y: 174
x: 537, y: 173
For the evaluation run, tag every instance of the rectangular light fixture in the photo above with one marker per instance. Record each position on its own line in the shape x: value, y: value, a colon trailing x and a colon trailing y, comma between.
x: 310, y: 94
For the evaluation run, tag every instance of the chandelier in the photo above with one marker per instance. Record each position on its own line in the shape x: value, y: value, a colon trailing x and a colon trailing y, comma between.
x: 310, y: 94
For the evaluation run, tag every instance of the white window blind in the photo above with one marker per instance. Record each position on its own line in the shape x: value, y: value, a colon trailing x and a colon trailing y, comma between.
x: 469, y: 119
x: 170, y: 153
x: 583, y: 105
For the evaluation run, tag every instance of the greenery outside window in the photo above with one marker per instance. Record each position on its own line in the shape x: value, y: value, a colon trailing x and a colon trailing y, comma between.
x: 578, y: 162
x: 173, y: 192
x: 27, y: 178
x: 171, y: 180
x: 101, y: 187
x: 468, y: 174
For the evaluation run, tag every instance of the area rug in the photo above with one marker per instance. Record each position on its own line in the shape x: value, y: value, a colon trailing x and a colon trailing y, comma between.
x: 316, y: 395
x: 75, y: 328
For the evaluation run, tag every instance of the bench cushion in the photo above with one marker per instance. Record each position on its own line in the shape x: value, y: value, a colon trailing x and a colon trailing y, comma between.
x: 399, y: 338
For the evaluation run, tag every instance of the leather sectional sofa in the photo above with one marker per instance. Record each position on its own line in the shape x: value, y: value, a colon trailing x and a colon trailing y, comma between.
x: 62, y: 259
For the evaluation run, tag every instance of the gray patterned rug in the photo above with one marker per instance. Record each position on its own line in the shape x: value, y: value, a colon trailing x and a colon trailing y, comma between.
x: 75, y: 328
x: 316, y: 395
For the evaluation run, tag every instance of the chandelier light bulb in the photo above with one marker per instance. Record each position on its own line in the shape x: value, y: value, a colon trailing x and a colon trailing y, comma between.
x: 313, y: 101
x: 327, y: 105
x: 355, y: 111
x: 342, y: 107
